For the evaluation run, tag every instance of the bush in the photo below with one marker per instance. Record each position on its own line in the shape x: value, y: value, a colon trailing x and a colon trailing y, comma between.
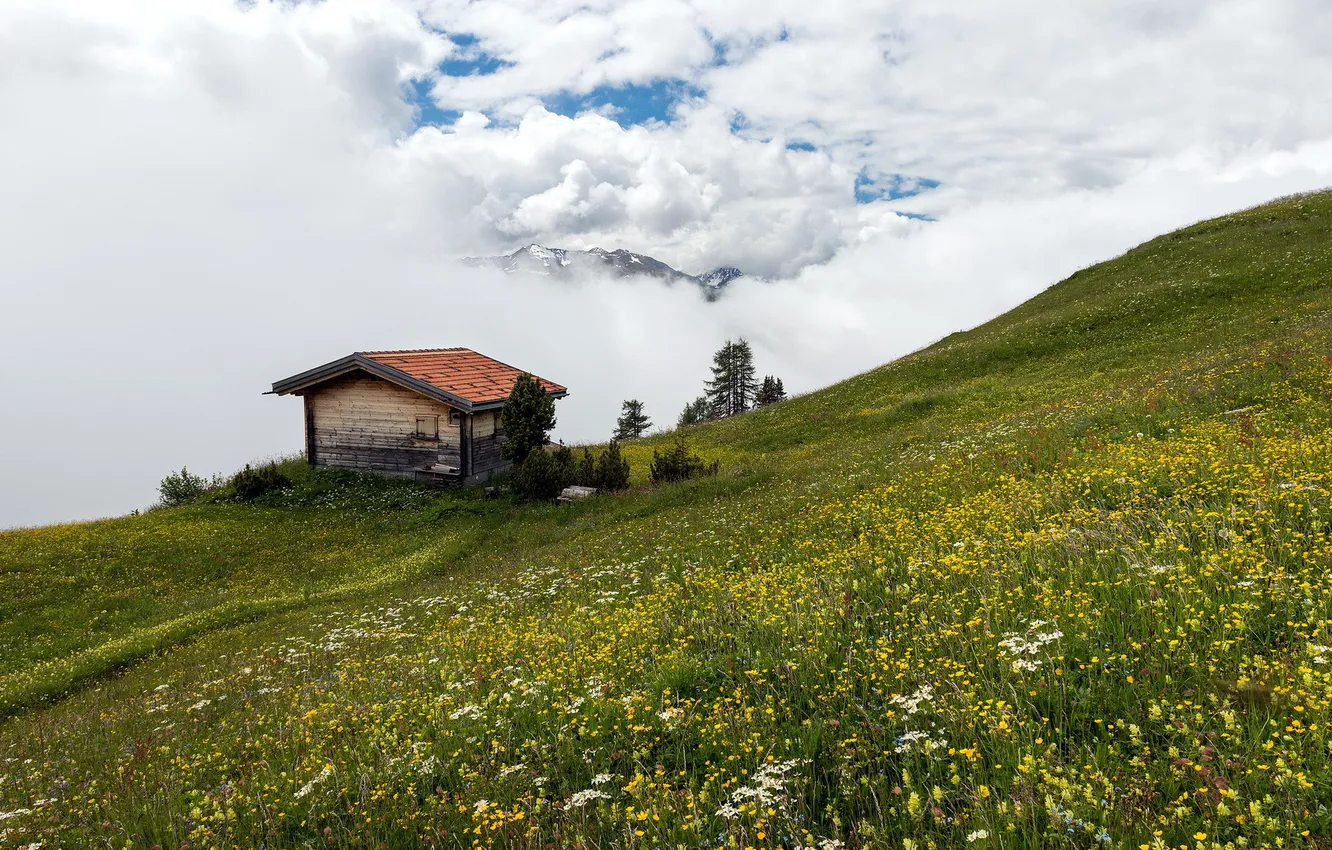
x: 542, y: 475
x: 677, y: 464
x: 612, y: 471
x: 585, y: 472
x: 181, y: 488
x: 249, y: 484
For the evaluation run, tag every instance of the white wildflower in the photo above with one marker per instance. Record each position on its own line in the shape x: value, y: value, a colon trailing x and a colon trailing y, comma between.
x: 582, y: 798
x: 914, y: 739
x: 1019, y: 646
x: 603, y: 778
x: 671, y: 715
x: 768, y: 782
x: 978, y: 835
x: 472, y: 712
x: 912, y: 704
x: 428, y: 766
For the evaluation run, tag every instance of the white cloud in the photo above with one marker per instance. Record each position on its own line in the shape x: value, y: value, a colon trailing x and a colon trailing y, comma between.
x: 201, y: 198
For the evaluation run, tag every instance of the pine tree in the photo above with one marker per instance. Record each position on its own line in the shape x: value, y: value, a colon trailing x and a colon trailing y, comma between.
x: 733, y: 388
x: 527, y: 418
x: 695, y: 412
x: 612, y: 469
x: 633, y: 422
x: 770, y: 391
x: 586, y: 469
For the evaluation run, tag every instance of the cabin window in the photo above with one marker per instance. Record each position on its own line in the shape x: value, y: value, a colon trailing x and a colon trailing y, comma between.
x: 455, y: 418
x: 427, y: 427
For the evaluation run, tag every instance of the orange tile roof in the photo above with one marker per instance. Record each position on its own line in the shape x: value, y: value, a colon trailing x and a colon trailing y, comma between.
x: 462, y: 372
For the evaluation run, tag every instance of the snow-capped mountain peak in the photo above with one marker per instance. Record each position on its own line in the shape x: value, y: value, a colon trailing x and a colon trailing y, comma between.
x: 559, y: 262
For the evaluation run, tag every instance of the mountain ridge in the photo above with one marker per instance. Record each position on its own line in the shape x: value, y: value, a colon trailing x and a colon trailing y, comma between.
x: 566, y: 263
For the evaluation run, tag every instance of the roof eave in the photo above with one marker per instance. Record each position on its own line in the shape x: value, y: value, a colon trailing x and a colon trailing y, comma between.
x: 352, y: 362
x: 497, y: 404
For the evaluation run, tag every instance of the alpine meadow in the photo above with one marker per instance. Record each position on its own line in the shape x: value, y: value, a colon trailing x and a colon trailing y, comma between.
x: 1058, y: 581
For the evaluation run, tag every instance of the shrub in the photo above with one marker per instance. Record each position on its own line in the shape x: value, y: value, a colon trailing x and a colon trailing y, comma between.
x: 612, y: 472
x: 677, y: 464
x: 249, y: 484
x: 181, y: 488
x: 585, y: 471
x: 541, y: 476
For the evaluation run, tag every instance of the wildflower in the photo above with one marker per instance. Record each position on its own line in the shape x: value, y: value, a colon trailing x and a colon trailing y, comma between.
x: 582, y: 798
x: 472, y: 712
x: 978, y: 835
x: 912, y: 704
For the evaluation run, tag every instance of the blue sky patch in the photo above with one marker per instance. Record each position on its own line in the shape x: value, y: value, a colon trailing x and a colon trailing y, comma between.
x: 801, y: 146
x: 470, y: 60
x: 889, y: 187
x: 628, y: 104
x: 428, y: 113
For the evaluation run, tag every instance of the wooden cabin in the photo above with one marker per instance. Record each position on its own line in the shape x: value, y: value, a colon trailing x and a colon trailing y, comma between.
x: 427, y: 414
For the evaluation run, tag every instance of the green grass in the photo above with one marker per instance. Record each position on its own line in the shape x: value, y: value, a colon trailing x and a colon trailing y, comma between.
x: 1061, y: 580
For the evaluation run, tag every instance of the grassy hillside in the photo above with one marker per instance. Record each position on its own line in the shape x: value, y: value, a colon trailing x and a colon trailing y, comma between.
x: 1061, y: 580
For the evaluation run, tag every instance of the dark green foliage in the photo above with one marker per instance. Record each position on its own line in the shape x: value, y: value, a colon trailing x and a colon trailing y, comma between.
x: 770, y: 392
x: 564, y: 459
x: 585, y: 470
x: 612, y: 470
x: 695, y: 412
x: 733, y: 386
x: 542, y: 474
x: 677, y: 464
x: 527, y: 418
x: 633, y: 422
x: 250, y: 483
x: 181, y: 488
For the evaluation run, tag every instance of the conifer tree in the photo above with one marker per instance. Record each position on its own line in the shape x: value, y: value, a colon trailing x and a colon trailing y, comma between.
x: 770, y: 391
x: 612, y: 469
x: 527, y: 417
x: 733, y: 386
x: 695, y: 412
x: 633, y: 422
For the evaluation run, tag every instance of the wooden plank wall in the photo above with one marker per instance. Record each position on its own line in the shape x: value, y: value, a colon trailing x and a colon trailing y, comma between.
x: 487, y: 438
x: 364, y: 422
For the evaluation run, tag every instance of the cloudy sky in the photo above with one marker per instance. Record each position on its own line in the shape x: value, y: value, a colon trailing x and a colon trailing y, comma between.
x: 197, y: 199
